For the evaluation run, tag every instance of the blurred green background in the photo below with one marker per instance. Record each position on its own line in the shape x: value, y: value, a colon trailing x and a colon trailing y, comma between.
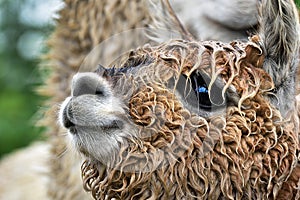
x: 24, y: 26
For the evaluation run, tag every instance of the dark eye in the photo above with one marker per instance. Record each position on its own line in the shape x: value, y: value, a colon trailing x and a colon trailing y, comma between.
x: 194, y: 91
x: 200, y: 89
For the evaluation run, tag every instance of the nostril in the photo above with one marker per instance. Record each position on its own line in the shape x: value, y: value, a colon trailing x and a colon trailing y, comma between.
x: 66, y: 121
x: 99, y: 91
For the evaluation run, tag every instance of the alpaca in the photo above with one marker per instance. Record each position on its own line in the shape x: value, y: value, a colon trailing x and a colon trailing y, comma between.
x: 190, y: 119
x: 81, y: 27
x: 24, y: 170
x: 220, y: 20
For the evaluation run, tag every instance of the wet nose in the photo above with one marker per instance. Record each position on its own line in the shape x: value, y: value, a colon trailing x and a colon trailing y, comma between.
x: 85, y: 83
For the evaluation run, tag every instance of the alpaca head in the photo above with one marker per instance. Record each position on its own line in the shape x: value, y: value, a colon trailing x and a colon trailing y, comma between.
x: 191, y: 119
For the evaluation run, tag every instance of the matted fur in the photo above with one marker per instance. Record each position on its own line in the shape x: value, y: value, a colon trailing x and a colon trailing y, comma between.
x: 256, y: 151
x: 162, y: 156
x: 82, y: 25
x: 78, y: 31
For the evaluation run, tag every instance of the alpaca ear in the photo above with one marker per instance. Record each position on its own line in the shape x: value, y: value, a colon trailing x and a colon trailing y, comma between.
x: 279, y: 26
x: 165, y: 23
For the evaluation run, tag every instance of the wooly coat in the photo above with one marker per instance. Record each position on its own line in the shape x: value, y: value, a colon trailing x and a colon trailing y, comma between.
x: 191, y: 119
x: 83, y: 25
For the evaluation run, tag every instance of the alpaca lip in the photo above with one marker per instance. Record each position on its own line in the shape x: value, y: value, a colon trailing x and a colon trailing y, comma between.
x: 113, y: 125
x: 73, y: 128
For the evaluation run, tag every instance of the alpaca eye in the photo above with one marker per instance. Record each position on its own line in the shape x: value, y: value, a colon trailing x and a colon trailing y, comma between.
x: 193, y: 90
x: 200, y: 89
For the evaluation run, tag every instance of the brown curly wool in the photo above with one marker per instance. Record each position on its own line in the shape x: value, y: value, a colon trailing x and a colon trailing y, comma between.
x: 82, y: 25
x: 172, y: 149
x: 256, y: 149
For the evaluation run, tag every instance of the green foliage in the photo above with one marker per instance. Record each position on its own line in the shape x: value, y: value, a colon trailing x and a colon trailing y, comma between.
x: 19, y: 76
x: 297, y: 3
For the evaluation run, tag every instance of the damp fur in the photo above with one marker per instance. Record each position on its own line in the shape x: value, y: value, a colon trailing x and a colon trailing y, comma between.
x: 249, y: 151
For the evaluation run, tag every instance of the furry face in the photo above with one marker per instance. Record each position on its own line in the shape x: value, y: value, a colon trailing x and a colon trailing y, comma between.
x: 188, y: 120
x: 91, y: 110
x: 142, y: 122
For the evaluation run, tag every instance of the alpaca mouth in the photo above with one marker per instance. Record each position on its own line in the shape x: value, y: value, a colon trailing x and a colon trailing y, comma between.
x: 69, y: 123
